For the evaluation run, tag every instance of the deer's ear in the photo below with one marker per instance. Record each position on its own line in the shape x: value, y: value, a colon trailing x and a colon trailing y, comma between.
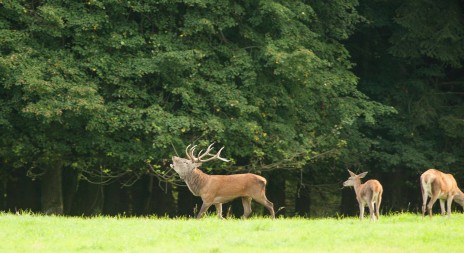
x: 197, y: 164
x: 351, y: 173
x: 362, y: 174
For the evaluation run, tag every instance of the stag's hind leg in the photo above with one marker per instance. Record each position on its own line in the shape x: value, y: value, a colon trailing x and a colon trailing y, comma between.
x: 268, y: 204
x: 270, y: 207
x: 259, y: 195
x: 262, y: 199
x: 246, y: 201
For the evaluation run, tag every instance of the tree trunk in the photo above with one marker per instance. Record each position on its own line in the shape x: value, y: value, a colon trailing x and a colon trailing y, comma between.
x: 88, y: 199
x: 113, y: 203
x: 22, y: 193
x: 51, y: 190
x: 140, y: 195
x: 70, y: 184
x: 302, y: 201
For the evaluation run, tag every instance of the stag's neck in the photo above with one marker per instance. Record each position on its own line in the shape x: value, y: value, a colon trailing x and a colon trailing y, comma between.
x: 196, y: 180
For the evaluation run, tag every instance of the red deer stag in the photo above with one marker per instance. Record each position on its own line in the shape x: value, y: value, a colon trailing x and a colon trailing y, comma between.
x: 438, y: 185
x: 219, y: 189
x: 369, y: 193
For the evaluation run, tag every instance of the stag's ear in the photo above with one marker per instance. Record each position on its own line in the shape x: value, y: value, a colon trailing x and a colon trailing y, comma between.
x: 362, y: 174
x: 351, y: 173
x: 197, y: 164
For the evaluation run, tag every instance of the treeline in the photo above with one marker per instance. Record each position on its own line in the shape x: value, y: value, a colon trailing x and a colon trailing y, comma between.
x: 97, y: 95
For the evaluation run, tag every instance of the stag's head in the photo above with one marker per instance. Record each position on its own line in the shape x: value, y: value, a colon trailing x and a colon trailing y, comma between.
x: 354, y: 178
x: 185, y: 166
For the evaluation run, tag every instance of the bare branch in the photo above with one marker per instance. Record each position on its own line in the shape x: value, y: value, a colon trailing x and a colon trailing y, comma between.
x: 169, y: 176
x: 289, y: 163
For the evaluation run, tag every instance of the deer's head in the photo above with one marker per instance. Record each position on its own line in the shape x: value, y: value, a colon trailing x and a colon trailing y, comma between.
x: 185, y: 166
x: 353, y: 179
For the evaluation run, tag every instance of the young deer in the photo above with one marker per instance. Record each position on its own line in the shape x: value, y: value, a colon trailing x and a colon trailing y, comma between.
x: 369, y: 193
x: 438, y: 185
x: 219, y: 189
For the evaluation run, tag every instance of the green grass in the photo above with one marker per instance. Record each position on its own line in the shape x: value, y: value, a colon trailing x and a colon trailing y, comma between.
x: 394, y: 233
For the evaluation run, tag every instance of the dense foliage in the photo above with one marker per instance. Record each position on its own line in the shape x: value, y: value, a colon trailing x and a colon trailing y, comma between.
x: 97, y: 89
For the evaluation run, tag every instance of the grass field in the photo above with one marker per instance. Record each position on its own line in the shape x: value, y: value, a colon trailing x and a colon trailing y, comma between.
x: 394, y: 233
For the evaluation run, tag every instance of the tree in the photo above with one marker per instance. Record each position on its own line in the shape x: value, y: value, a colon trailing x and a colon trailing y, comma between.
x: 103, y: 87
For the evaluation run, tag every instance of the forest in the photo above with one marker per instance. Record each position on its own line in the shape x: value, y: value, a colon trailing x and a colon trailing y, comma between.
x: 96, y: 96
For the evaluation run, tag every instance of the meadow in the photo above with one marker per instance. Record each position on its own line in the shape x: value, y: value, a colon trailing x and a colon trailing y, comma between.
x: 404, y: 232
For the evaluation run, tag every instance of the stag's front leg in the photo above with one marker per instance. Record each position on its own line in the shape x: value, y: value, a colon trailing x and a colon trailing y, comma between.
x: 219, y: 210
x: 203, y: 209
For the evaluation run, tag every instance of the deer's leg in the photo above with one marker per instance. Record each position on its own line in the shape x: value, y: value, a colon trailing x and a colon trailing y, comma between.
x: 203, y: 209
x: 442, y: 207
x: 246, y: 201
x: 371, y: 209
x: 261, y: 198
x: 430, y: 204
x: 361, y: 210
x: 270, y: 208
x: 379, y: 200
x: 449, y: 201
x: 424, y: 202
x: 219, y: 210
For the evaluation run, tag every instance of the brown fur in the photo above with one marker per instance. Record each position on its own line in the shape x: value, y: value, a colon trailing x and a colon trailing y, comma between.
x: 438, y: 185
x: 219, y: 189
x: 369, y: 193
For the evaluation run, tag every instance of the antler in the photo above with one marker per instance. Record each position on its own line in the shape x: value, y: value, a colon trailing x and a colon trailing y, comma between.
x: 187, y: 151
x: 191, y: 156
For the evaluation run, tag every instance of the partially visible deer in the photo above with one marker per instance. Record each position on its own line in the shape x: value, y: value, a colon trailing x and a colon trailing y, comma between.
x: 438, y: 185
x: 219, y: 189
x: 369, y: 193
